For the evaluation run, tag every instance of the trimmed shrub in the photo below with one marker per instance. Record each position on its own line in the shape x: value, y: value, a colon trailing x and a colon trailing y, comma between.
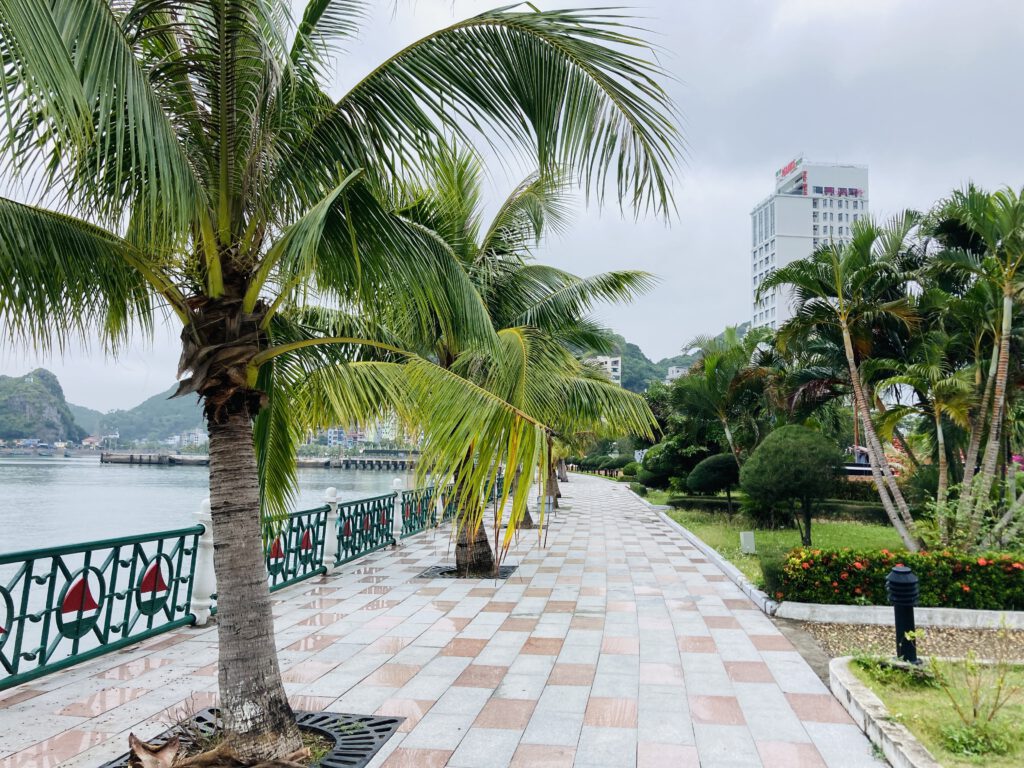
x: 993, y: 581
x: 716, y: 473
x: 703, y: 503
x: 638, y: 489
x: 855, y: 490
x: 793, y: 464
x: 631, y: 468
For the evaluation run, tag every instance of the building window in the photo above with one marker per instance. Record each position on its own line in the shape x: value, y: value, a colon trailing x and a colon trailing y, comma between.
x: 814, y: 203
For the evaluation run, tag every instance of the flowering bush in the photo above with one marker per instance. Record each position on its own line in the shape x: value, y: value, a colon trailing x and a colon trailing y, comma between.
x: 992, y: 581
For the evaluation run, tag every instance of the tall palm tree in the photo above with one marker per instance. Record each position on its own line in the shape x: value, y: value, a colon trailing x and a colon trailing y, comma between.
x: 716, y: 381
x: 529, y: 304
x: 994, y: 224
x: 193, y: 163
x: 849, y: 288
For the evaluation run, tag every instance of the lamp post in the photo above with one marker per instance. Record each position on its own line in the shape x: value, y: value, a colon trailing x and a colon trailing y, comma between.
x: 902, y: 587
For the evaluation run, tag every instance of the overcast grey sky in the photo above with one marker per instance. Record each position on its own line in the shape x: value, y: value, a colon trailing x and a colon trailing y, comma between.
x: 925, y: 92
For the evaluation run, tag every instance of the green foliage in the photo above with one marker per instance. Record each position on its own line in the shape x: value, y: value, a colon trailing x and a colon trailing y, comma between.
x: 793, y: 463
x: 638, y: 488
x: 33, y: 406
x: 155, y: 418
x: 631, y: 468
x: 668, y: 458
x: 714, y: 474
x: 993, y: 581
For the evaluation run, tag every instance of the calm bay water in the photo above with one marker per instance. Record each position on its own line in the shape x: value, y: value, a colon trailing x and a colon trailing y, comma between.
x: 52, y: 501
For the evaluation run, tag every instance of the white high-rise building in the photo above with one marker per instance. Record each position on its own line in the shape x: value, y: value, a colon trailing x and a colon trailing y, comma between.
x: 610, y: 365
x: 813, y: 204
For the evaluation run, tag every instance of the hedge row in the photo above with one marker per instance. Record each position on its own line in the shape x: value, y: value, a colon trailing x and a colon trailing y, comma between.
x: 836, y: 509
x: 947, y: 579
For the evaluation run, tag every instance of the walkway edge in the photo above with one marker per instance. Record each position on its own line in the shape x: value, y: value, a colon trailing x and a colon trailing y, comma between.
x: 762, y: 600
x: 900, y: 747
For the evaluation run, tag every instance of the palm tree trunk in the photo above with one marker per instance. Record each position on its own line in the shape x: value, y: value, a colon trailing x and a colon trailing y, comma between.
x: 527, y: 521
x: 473, y: 555
x: 988, y: 466
x: 729, y: 439
x: 563, y: 473
x: 974, y: 445
x: 940, y: 494
x: 253, y: 703
x: 889, y: 493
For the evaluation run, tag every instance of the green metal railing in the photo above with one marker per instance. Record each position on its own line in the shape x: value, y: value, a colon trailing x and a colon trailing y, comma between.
x: 296, y: 552
x: 449, y: 503
x: 418, y: 513
x: 64, y: 605
x: 364, y: 526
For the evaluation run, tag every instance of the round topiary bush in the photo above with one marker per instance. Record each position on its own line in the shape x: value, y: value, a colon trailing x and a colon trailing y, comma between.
x: 793, y: 464
x: 715, y: 474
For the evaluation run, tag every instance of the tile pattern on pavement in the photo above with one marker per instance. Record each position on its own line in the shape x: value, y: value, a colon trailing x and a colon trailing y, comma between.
x: 617, y: 645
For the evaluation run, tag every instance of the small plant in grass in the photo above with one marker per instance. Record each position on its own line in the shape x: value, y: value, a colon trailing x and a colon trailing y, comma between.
x: 638, y: 489
x: 978, y: 692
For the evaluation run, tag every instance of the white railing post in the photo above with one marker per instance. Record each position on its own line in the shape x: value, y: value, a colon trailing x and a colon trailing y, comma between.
x: 396, y: 487
x: 331, y: 531
x: 204, y: 582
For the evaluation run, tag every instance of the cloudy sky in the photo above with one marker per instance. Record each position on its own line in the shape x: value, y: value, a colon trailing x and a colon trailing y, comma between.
x: 925, y: 92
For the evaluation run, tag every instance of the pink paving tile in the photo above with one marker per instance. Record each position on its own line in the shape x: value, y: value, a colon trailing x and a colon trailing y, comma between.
x: 18, y: 696
x: 308, y: 671
x: 537, y: 592
x: 102, y: 701
x: 310, y: 703
x: 771, y: 643
x: 587, y: 622
x: 443, y: 605
x: 749, y: 672
x: 210, y: 670
x: 132, y: 669
x: 697, y: 644
x: 482, y: 592
x: 450, y: 625
x: 542, y: 756
x: 518, y: 625
x: 542, y: 646
x: 737, y: 604
x: 593, y: 592
x: 321, y: 619
x: 785, y: 754
x: 660, y: 674
x: 611, y: 712
x: 716, y: 710
x: 428, y: 591
x: 628, y: 646
x: 621, y: 606
x: 498, y: 606
x: 412, y: 710
x: 481, y: 676
x: 165, y: 642
x: 464, y: 646
x: 560, y: 606
x: 376, y: 590
x: 511, y: 714
x: 378, y: 605
x: 700, y: 589
x: 393, y: 675
x: 651, y: 754
x: 312, y: 643
x: 417, y: 758
x: 572, y: 674
x: 721, y: 622
x: 54, y: 751
x: 818, y: 708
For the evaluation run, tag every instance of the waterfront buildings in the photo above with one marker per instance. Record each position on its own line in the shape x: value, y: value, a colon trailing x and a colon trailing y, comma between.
x: 813, y: 204
x: 610, y: 365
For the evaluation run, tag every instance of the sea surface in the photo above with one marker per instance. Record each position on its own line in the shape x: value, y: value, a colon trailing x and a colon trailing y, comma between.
x: 46, y: 502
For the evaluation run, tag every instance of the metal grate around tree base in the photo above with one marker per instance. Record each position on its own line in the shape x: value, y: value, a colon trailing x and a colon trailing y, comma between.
x: 357, y: 738
x: 450, y: 572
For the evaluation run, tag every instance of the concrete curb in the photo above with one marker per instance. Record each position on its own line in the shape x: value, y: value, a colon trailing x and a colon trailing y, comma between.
x: 898, y: 744
x: 762, y: 600
x: 958, y: 618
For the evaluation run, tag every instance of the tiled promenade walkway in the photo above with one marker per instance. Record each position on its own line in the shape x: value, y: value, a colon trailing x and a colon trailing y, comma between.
x: 618, y: 645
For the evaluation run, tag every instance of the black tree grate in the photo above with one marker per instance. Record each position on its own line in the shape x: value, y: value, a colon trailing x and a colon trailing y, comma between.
x: 357, y: 738
x: 450, y: 572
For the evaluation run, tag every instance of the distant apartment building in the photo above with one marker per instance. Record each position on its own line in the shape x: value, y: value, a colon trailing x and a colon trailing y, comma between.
x: 813, y: 204
x: 675, y: 372
x: 194, y: 437
x: 610, y: 365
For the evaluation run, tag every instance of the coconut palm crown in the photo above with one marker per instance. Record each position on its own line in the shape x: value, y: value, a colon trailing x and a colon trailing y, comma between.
x: 185, y: 158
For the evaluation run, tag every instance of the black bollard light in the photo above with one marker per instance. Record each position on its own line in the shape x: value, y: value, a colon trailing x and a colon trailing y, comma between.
x: 902, y: 587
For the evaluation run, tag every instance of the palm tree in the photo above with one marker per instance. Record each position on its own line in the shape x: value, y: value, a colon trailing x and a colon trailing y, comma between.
x: 716, y: 381
x: 941, y: 393
x: 849, y: 288
x: 993, y: 223
x: 523, y: 299
x: 194, y: 164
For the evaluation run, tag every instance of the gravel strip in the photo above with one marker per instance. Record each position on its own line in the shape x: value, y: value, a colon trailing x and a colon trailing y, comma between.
x: 846, y: 639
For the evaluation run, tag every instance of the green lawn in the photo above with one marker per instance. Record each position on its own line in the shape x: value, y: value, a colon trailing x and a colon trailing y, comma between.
x: 658, y: 497
x: 926, y: 711
x: 722, y: 533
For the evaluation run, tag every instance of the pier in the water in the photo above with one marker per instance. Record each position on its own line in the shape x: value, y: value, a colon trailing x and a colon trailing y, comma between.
x: 392, y: 463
